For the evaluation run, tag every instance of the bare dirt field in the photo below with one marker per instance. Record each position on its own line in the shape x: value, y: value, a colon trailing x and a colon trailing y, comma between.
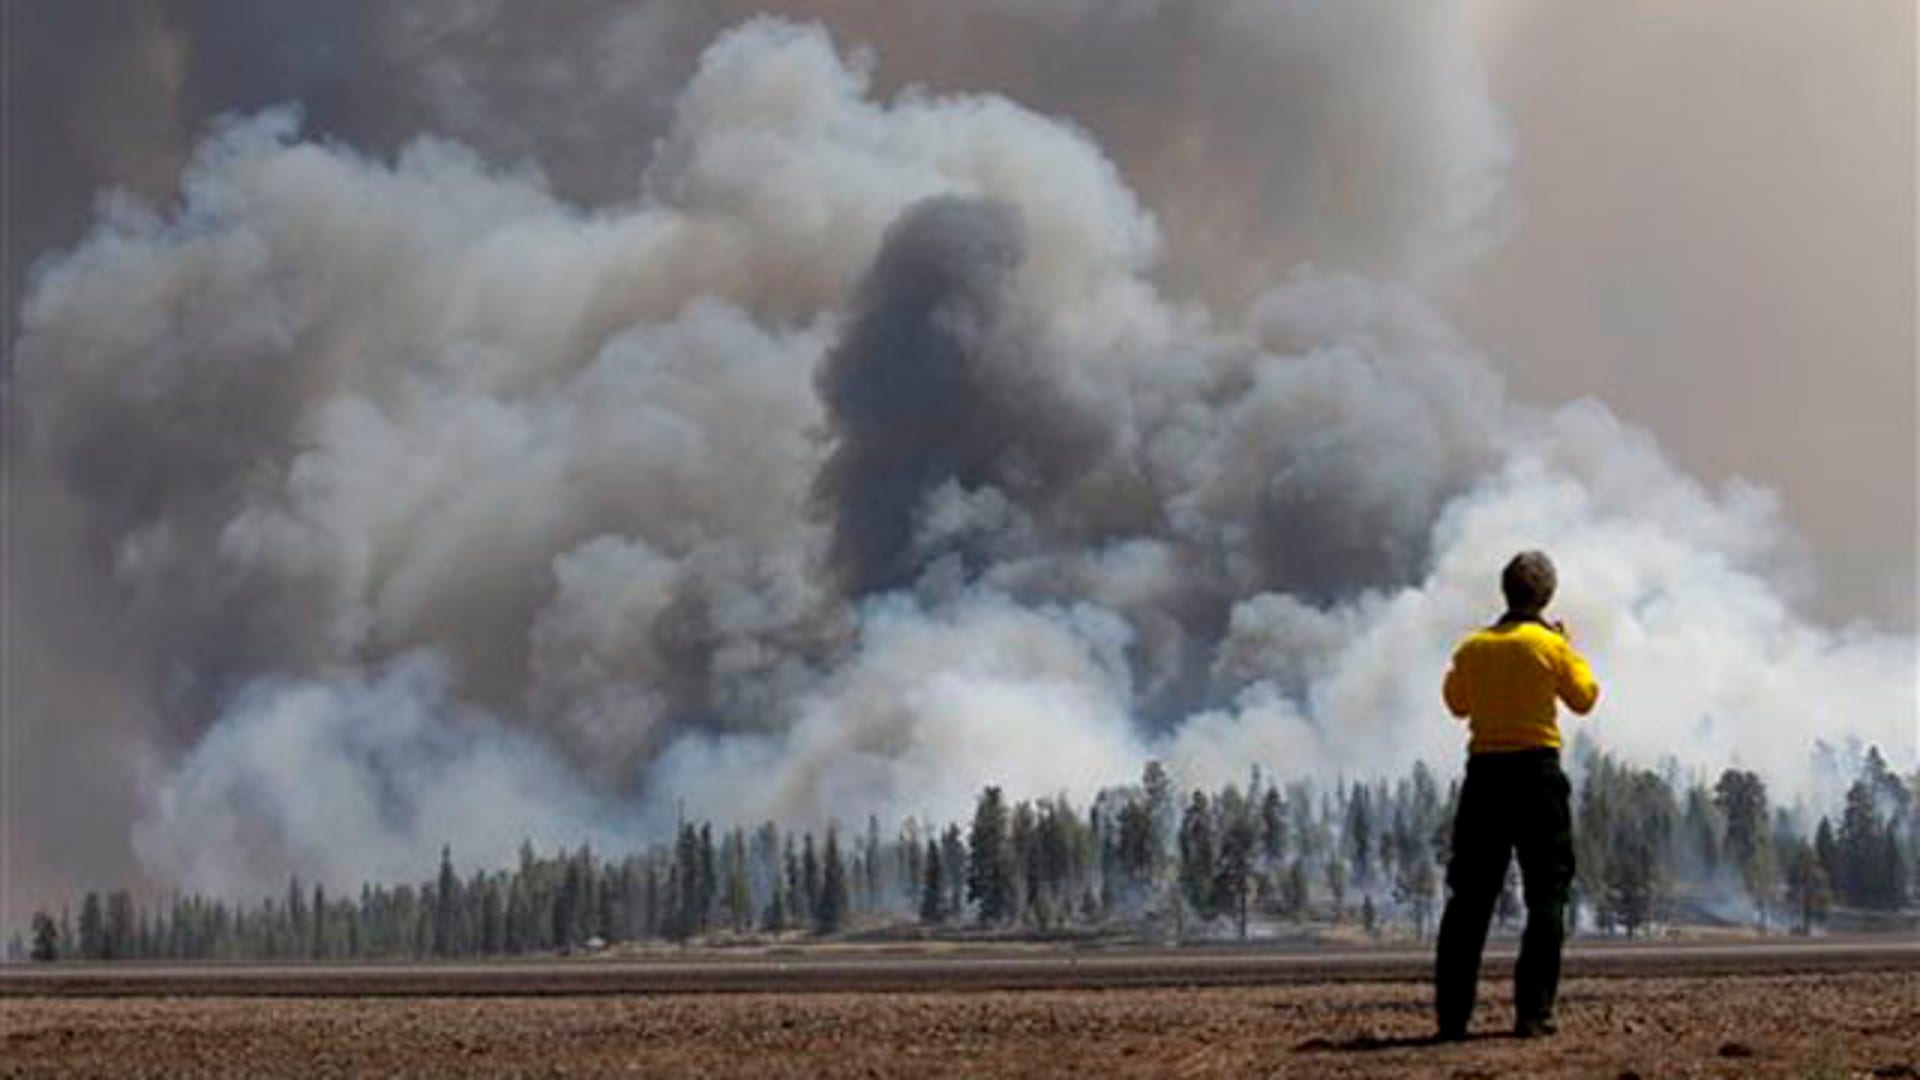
x: 1700, y: 1015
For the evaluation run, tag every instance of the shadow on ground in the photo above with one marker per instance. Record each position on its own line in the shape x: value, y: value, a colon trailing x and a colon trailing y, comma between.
x: 1366, y: 1043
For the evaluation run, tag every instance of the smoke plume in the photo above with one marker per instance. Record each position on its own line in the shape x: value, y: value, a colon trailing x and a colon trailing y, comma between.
x: 803, y: 444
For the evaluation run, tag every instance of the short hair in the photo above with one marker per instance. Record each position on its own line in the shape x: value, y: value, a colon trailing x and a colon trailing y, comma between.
x: 1528, y: 581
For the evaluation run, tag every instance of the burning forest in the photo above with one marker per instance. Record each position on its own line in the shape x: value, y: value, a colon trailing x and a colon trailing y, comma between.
x: 726, y: 432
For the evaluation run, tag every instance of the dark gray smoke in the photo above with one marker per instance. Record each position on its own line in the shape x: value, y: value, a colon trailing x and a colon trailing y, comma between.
x: 939, y: 380
x: 807, y: 449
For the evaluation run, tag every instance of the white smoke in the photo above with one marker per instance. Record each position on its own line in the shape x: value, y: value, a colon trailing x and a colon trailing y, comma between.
x: 856, y: 460
x: 348, y: 780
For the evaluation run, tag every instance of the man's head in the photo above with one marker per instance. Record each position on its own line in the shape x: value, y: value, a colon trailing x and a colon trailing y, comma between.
x: 1528, y: 582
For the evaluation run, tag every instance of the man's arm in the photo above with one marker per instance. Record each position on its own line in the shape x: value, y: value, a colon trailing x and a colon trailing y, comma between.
x: 1577, y: 686
x: 1454, y: 690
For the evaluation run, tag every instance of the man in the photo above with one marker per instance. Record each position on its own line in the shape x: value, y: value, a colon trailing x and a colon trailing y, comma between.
x: 1505, y: 681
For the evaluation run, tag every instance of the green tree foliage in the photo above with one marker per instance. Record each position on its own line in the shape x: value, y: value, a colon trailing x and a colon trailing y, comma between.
x: 297, y: 928
x: 1703, y: 823
x: 1295, y: 889
x: 568, y: 910
x: 1233, y: 865
x: 1024, y: 851
x: 1359, y: 834
x: 1273, y: 828
x: 1040, y: 865
x: 93, y: 928
x: 870, y: 861
x: 1741, y: 799
x: 830, y: 913
x: 933, y: 891
x: 1637, y: 868
x: 739, y: 892
x: 1335, y: 870
x: 1157, y: 786
x: 121, y: 938
x: 809, y: 879
x: 1808, y: 890
x: 990, y: 859
x: 1197, y: 854
x: 953, y: 869
x: 446, y: 906
x: 44, y: 944
x: 1870, y: 863
x: 1138, y: 846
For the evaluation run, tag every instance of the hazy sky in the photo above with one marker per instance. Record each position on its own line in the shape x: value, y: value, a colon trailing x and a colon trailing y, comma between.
x: 1716, y: 237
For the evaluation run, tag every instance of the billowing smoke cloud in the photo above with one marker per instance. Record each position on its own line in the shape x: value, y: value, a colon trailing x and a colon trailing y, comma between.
x: 936, y: 384
x: 859, y: 455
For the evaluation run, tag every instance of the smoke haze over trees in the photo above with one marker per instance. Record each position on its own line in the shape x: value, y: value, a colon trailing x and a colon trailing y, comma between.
x: 1245, y: 861
x: 714, y: 431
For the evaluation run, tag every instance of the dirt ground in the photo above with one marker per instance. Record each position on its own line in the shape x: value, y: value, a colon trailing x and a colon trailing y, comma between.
x: 1812, y: 1025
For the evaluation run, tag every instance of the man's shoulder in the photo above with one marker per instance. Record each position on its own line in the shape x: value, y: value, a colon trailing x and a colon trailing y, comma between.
x: 1511, y: 635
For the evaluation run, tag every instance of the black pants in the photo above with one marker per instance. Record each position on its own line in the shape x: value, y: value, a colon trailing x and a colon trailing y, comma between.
x: 1510, y: 802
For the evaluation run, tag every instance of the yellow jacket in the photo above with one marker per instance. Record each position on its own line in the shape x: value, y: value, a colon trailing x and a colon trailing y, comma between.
x: 1504, y: 680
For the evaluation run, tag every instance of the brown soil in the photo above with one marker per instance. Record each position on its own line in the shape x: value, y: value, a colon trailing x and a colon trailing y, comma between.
x: 1820, y: 1024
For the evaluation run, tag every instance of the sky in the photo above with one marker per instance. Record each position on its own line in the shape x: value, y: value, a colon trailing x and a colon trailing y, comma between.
x: 518, y: 419
x: 1717, y: 237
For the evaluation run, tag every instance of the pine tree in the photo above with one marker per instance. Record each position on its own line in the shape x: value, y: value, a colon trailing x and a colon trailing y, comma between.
x: 796, y: 899
x: 831, y: 912
x: 1637, y: 868
x: 1336, y: 871
x: 953, y: 868
x: 1294, y: 889
x: 933, y: 892
x: 446, y: 905
x: 93, y: 928
x: 1273, y: 827
x: 809, y: 880
x: 568, y: 905
x: 1862, y: 879
x: 1807, y: 886
x: 990, y: 862
x: 1158, y: 788
x: 1197, y: 855
x: 606, y: 907
x: 775, y: 918
x: 1024, y: 855
x: 1826, y: 849
x: 1741, y: 798
x: 1359, y: 833
x: 45, y: 947
x: 296, y: 912
x: 121, y: 938
x: 1233, y: 870
x: 708, y: 894
x: 1414, y: 876
x: 870, y: 863
x: 1703, y: 824
x: 689, y: 912
x: 493, y: 920
x: 1138, y: 847
x: 650, y: 894
x: 739, y: 895
x: 317, y: 949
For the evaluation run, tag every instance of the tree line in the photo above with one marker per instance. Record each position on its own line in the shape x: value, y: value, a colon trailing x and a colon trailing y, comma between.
x: 1145, y: 858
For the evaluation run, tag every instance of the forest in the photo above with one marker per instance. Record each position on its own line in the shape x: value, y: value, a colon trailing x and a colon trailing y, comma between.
x: 1148, y: 859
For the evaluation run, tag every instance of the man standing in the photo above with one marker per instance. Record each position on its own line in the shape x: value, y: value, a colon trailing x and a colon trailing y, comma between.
x: 1504, y: 681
